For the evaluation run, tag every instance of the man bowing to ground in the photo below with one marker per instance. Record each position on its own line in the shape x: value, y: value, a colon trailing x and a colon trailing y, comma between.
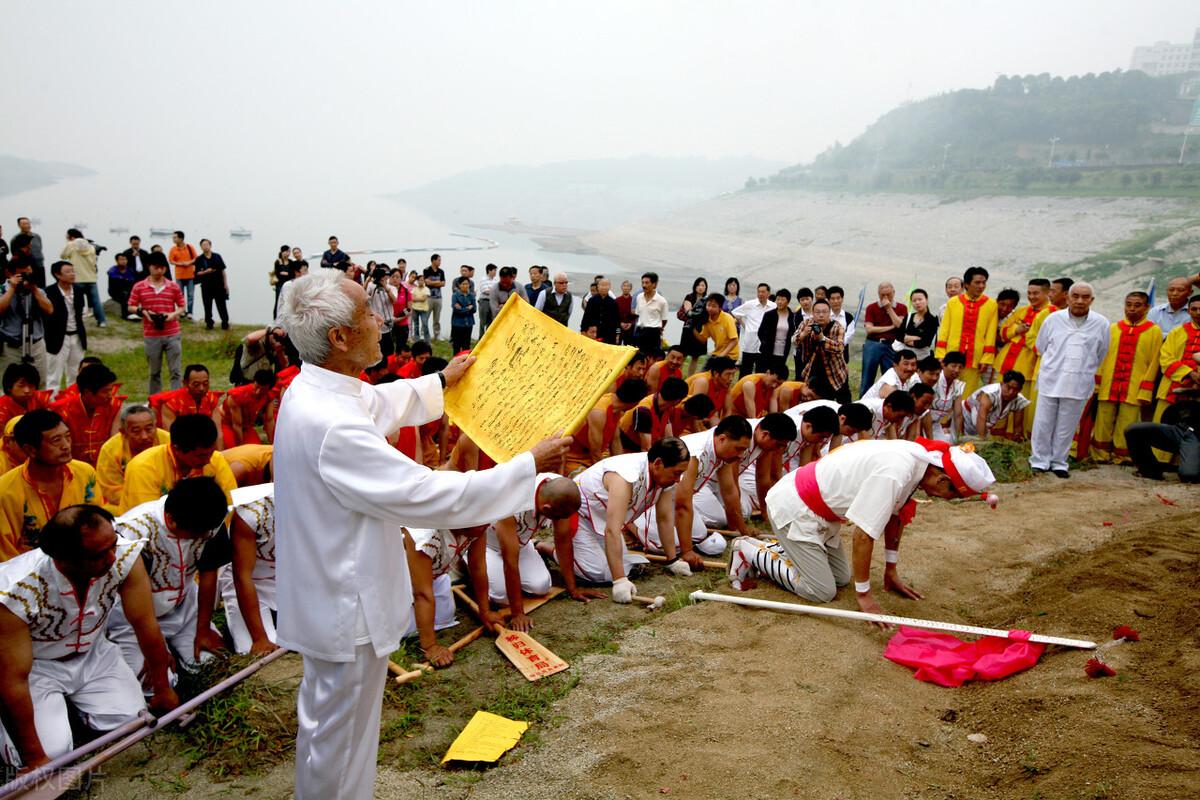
x: 342, y: 494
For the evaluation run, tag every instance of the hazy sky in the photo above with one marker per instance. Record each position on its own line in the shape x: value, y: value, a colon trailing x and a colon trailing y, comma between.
x: 388, y: 95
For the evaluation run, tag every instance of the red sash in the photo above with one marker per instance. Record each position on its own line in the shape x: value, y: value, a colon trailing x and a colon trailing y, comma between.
x: 810, y: 493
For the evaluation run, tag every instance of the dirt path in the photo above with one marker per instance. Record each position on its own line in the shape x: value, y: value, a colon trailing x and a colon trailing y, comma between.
x: 716, y: 701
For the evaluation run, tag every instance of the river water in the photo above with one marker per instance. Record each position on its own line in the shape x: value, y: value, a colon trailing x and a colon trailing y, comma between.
x: 303, y: 217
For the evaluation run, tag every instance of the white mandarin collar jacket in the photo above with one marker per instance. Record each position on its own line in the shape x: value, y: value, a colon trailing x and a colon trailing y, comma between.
x: 342, y: 494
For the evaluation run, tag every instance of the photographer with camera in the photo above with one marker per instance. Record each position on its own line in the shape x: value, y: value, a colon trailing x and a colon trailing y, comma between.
x: 820, y: 354
x: 23, y: 308
x: 159, y: 302
x: 82, y: 254
x: 381, y: 299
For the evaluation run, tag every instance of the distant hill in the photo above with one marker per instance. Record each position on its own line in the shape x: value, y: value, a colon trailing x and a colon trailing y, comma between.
x: 22, y: 174
x: 582, y: 194
x: 1111, y: 121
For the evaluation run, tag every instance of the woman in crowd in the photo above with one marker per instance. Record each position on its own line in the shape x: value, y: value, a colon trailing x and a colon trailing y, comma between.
x: 420, y: 307
x: 920, y: 326
x: 462, y: 316
x: 776, y: 331
x: 733, y: 291
x: 281, y: 273
x: 692, y: 314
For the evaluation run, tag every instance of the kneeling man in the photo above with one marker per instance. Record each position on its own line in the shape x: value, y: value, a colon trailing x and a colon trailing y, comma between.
x: 54, y: 602
x: 869, y: 485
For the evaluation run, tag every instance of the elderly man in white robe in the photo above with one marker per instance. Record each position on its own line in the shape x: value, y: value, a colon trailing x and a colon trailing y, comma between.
x: 342, y: 494
x: 1072, y: 343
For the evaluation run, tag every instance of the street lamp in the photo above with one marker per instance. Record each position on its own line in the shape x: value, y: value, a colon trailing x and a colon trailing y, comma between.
x: 1050, y: 160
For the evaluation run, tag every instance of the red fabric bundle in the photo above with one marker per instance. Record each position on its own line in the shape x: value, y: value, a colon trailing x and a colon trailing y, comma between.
x: 949, y: 661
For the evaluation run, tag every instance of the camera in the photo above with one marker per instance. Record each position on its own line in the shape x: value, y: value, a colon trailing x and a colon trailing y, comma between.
x: 158, y: 320
x: 380, y: 274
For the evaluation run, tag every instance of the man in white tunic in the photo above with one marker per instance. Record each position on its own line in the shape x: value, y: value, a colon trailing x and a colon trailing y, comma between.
x: 868, y: 484
x: 901, y: 376
x: 248, y: 584
x: 182, y: 537
x: 342, y: 494
x: 715, y: 454
x: 613, y: 494
x: 815, y: 437
x: 1072, y: 344
x: 760, y: 466
x: 54, y: 605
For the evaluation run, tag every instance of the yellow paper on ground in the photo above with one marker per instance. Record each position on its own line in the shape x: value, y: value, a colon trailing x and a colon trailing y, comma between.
x: 486, y: 738
x: 532, y: 378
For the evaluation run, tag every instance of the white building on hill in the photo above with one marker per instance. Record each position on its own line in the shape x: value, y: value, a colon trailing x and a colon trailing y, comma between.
x: 1165, y: 58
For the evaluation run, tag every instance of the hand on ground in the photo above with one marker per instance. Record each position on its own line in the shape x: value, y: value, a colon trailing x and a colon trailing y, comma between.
x: 163, y: 701
x: 262, y: 647
x: 892, y: 583
x: 586, y: 595
x: 208, y: 640
x: 867, y: 604
x: 692, y: 559
x: 520, y: 622
x: 439, y: 656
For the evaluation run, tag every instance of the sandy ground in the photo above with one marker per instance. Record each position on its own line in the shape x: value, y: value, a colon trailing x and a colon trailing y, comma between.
x: 715, y: 701
x: 797, y: 238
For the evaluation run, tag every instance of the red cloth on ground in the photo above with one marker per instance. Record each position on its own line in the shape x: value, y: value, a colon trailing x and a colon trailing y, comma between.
x: 949, y: 661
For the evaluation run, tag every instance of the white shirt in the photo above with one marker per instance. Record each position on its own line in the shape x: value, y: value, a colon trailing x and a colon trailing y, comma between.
x: 944, y: 396
x: 485, y: 287
x: 791, y: 453
x: 879, y: 424
x: 651, y: 313
x: 172, y: 561
x: 865, y: 484
x: 750, y: 316
x: 890, y: 378
x: 634, y: 469
x: 848, y: 323
x: 1070, y: 354
x: 1168, y: 318
x: 32, y: 588
x: 700, y: 445
x: 342, y: 494
x: 528, y: 522
x: 996, y: 413
x: 258, y: 514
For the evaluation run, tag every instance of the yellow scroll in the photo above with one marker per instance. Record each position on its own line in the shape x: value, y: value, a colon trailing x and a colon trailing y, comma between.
x: 532, y: 378
x: 486, y: 738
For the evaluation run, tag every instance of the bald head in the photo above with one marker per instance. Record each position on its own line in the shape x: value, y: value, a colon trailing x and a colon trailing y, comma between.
x: 558, y: 498
x: 1178, y: 290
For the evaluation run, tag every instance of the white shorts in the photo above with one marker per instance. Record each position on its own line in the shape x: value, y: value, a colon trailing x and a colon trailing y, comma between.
x: 265, y: 588
x: 591, y: 563
x: 535, y: 576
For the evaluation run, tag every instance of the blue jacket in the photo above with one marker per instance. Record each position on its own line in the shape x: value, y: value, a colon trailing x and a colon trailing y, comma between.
x: 462, y: 310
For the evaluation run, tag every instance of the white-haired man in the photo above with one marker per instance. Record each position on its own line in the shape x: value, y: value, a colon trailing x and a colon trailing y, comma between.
x: 870, y: 485
x: 556, y: 304
x: 343, y: 588
x: 1072, y: 343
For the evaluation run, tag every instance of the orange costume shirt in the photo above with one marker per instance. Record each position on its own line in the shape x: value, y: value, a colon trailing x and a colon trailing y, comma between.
x: 88, y: 433
x: 10, y: 408
x: 716, y: 392
x: 762, y: 395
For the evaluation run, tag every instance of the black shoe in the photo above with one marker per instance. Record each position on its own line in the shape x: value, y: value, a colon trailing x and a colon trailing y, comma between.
x: 1040, y: 470
x: 224, y: 326
x: 1061, y: 473
x: 208, y: 326
x: 1150, y: 476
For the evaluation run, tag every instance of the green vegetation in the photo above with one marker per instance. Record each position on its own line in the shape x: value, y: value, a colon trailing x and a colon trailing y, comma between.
x: 1116, y: 133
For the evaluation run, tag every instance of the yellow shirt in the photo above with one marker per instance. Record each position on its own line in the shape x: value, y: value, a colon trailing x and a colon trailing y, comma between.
x: 153, y: 472
x: 1177, y: 357
x: 23, y: 510
x: 1019, y: 351
x: 722, y: 330
x: 1128, y: 371
x: 969, y: 327
x: 254, y: 457
x: 110, y: 467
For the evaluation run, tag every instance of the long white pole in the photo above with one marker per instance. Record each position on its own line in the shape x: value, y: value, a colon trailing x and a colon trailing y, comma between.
x: 822, y: 611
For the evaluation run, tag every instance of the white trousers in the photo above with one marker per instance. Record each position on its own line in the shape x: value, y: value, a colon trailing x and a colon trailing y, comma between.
x: 535, y: 577
x: 443, y: 607
x: 98, y: 683
x: 708, y: 504
x: 710, y: 544
x: 65, y: 362
x: 591, y: 563
x: 811, y: 570
x: 1054, y: 426
x: 265, y: 589
x: 178, y: 627
x: 337, y: 742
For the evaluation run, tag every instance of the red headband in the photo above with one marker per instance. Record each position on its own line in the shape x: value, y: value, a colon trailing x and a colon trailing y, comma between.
x: 935, y: 446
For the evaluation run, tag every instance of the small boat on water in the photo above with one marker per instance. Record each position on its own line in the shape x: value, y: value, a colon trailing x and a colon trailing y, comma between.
x: 161, y: 231
x: 118, y: 229
x: 241, y: 233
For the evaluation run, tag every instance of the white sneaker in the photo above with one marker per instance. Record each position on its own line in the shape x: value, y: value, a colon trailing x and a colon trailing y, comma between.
x: 741, y: 561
